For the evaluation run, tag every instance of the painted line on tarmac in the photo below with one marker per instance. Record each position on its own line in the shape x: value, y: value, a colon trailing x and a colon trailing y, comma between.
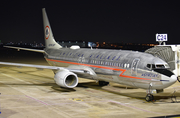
x: 176, y: 87
x: 134, y: 107
x: 20, y: 107
x: 127, y: 105
x: 23, y: 92
x: 37, y: 100
x: 15, y: 78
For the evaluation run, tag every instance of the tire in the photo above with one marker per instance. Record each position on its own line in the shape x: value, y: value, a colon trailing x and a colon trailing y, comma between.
x: 149, y: 97
x: 178, y: 79
x: 103, y: 83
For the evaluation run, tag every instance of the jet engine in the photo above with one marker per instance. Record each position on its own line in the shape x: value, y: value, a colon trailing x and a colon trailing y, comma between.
x: 66, y: 79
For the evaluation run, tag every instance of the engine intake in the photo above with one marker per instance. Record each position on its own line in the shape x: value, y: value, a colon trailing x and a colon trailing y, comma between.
x: 66, y: 79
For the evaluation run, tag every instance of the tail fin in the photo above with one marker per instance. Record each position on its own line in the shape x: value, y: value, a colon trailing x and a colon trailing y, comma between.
x: 48, y: 35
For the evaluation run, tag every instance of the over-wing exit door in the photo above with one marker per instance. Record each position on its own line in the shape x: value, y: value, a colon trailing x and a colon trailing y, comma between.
x: 81, y: 60
x: 134, y: 66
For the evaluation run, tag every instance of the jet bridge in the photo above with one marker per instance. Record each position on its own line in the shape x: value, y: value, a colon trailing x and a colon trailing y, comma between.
x: 168, y: 53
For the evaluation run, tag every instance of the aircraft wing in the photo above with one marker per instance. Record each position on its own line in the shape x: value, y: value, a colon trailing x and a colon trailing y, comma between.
x: 19, y: 48
x: 78, y: 71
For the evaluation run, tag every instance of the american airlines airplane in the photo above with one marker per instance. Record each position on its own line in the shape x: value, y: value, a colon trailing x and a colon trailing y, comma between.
x: 130, y: 68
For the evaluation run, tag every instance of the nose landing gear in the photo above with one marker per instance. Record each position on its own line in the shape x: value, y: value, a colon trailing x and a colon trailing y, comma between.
x: 149, y: 97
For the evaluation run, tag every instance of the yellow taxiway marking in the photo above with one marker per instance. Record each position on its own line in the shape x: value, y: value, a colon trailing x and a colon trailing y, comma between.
x: 76, y: 99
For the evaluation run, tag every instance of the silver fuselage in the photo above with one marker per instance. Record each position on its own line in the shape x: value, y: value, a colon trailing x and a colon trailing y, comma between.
x: 120, y: 66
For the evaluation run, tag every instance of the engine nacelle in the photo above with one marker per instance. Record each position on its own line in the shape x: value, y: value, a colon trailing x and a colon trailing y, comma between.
x: 66, y: 79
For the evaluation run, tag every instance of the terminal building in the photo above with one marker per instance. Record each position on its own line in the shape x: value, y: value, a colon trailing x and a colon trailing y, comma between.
x: 82, y: 44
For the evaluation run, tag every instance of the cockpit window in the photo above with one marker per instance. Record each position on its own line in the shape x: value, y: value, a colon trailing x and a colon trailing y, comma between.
x: 157, y: 66
x: 160, y: 66
x: 151, y: 66
x: 148, y: 65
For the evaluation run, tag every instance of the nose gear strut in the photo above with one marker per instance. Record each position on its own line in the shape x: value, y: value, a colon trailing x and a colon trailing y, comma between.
x: 149, y: 97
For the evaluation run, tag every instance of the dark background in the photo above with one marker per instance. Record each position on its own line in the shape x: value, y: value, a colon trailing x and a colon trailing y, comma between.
x: 130, y: 21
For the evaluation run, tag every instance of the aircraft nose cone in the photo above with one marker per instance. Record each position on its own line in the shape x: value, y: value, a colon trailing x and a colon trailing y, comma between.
x: 173, y: 78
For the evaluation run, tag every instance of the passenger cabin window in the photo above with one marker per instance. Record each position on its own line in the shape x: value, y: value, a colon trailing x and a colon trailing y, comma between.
x: 124, y: 65
x: 101, y: 62
x: 127, y: 65
x: 119, y: 64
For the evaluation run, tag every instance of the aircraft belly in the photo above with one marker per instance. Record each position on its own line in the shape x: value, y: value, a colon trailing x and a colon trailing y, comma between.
x: 155, y: 85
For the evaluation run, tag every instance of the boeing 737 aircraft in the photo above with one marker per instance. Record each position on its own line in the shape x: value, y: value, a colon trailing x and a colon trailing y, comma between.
x: 130, y: 68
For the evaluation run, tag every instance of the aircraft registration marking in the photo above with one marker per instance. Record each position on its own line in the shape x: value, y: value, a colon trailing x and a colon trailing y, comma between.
x: 103, y: 67
x: 51, y: 45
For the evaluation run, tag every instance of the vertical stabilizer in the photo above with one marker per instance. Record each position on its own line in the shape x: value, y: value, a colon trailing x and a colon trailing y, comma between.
x: 48, y: 35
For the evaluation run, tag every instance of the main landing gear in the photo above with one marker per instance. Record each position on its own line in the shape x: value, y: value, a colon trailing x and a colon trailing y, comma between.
x: 178, y: 78
x: 149, y: 97
x: 103, y: 83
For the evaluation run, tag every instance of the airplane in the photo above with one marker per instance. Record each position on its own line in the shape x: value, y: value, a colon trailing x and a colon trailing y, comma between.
x: 131, y: 68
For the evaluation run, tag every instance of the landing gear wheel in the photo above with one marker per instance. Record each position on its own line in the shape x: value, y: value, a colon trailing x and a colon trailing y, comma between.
x: 178, y: 79
x: 103, y: 83
x: 149, y: 97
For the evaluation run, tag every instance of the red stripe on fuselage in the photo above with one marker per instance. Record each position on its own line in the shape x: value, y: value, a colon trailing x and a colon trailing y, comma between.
x: 121, y: 75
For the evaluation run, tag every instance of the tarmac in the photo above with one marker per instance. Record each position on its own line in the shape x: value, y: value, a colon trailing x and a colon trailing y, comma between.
x: 32, y: 93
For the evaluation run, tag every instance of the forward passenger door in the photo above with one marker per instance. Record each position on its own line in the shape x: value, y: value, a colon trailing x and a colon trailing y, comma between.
x: 134, y: 66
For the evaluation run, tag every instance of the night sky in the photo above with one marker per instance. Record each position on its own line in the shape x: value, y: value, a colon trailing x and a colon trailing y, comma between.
x: 127, y: 21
